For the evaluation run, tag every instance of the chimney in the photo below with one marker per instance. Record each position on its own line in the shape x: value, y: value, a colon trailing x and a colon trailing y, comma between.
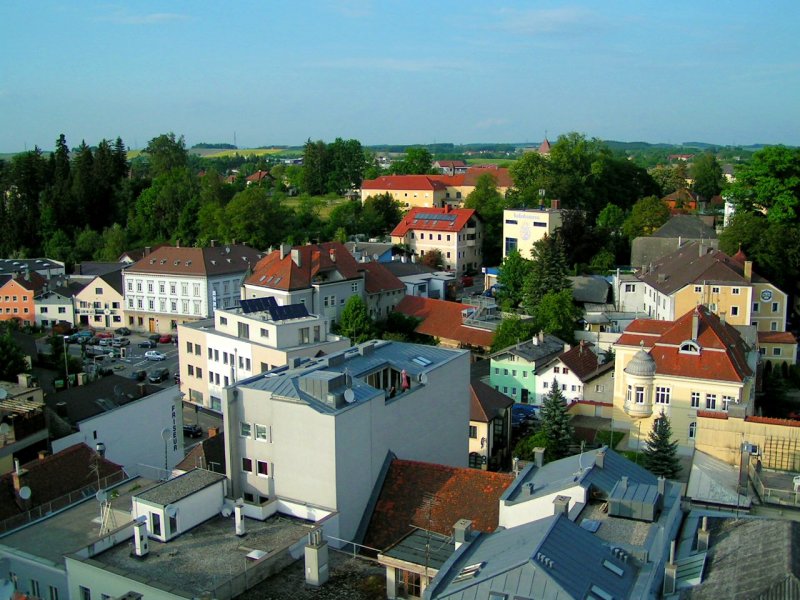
x: 213, y: 243
x: 177, y: 243
x: 462, y: 532
x: 722, y: 317
x: 541, y: 336
x: 703, y: 536
x: 701, y: 249
x: 538, y: 456
x: 535, y: 341
x: 146, y: 250
x: 100, y: 447
x: 240, y: 529
x: 748, y: 270
x: 623, y: 482
x: 679, y: 241
x: 332, y: 254
x: 446, y: 208
x: 284, y: 249
x: 662, y: 485
x: 141, y: 545
x: 695, y: 324
x: 600, y: 458
x: 561, y: 505
x: 555, y: 204
x: 671, y: 572
x: 296, y: 257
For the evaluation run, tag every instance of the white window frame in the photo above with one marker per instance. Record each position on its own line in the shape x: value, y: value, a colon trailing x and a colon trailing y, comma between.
x: 245, y: 429
x: 261, y: 433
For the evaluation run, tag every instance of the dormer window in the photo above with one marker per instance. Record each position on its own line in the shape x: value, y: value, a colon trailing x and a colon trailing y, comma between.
x: 690, y: 347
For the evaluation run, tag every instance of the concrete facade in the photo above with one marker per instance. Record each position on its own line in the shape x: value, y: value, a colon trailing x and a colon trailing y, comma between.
x: 524, y: 226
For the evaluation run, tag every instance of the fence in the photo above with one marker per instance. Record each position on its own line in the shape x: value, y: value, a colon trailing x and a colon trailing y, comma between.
x: 769, y: 495
x: 780, y: 453
x: 58, y: 503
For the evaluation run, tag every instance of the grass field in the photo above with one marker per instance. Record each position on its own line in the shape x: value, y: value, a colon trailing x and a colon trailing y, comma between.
x: 328, y: 204
x: 503, y: 162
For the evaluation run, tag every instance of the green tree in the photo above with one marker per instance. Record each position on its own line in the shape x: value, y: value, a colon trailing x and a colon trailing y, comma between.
x: 417, y: 161
x: 548, y: 272
x: 647, y: 215
x: 524, y: 450
x: 556, y: 424
x: 12, y: 359
x: 346, y: 216
x: 489, y: 204
x: 530, y: 174
x: 771, y: 180
x: 159, y: 207
x: 355, y: 322
x: 316, y: 167
x: 513, y: 330
x: 115, y: 242
x: 557, y: 314
x: 88, y: 244
x: 707, y: 176
x: 165, y: 153
x: 660, y: 455
x: 347, y: 164
x: 669, y: 178
x: 257, y: 218
x: 511, y: 279
x: 602, y: 262
x: 379, y: 215
x: 433, y: 258
x: 611, y: 219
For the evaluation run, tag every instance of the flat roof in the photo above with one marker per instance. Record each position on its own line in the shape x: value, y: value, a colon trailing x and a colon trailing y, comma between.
x: 54, y: 536
x: 205, y: 556
x: 422, y: 547
x: 180, y: 487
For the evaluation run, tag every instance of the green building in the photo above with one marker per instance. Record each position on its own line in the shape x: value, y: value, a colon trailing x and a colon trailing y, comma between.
x: 513, y: 369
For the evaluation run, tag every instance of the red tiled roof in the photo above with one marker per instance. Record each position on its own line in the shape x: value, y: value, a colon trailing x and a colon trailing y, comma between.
x: 643, y: 330
x: 773, y: 421
x: 486, y: 402
x: 378, y: 278
x: 544, y: 147
x: 212, y: 260
x: 581, y: 359
x: 723, y: 354
x: 776, y: 337
x: 443, y: 319
x: 460, y: 493
x: 55, y: 476
x: 712, y: 414
x: 259, y: 176
x: 413, y: 222
x: 278, y: 273
x: 451, y: 163
x: 470, y: 178
x: 403, y: 182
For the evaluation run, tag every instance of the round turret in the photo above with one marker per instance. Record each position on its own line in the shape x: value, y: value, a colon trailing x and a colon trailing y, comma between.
x: 641, y: 365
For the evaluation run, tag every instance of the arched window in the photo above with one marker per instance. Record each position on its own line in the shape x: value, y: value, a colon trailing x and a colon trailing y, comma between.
x: 690, y: 347
x: 475, y: 460
x: 692, y: 430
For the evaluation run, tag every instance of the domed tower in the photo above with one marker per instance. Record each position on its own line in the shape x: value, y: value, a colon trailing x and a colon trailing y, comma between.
x: 640, y: 372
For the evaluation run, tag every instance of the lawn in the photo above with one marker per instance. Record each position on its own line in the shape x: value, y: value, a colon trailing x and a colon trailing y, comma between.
x: 328, y: 204
x: 502, y: 162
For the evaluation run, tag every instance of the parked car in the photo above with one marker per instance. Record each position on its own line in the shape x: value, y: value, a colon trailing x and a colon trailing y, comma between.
x: 165, y: 339
x: 139, y: 375
x: 80, y: 337
x: 103, y: 335
x: 154, y: 355
x: 123, y: 331
x: 154, y: 337
x: 119, y: 342
x: 192, y: 431
x: 158, y: 375
x: 147, y: 344
x: 104, y: 341
x: 467, y: 281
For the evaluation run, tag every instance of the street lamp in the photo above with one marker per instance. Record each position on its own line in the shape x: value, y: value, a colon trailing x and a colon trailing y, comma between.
x: 66, y: 364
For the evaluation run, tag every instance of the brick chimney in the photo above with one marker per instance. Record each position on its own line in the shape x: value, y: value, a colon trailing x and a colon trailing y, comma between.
x: 695, y: 324
x: 555, y: 204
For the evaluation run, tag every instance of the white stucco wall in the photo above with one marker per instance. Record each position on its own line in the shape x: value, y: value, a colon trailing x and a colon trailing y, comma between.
x: 522, y: 512
x: 132, y: 433
x: 101, y: 582
x: 27, y: 568
x: 192, y: 511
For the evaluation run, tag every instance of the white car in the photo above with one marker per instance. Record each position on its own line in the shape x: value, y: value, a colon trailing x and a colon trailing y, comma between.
x: 154, y: 355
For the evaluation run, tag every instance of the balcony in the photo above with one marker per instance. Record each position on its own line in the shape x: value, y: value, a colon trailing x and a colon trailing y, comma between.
x: 637, y: 410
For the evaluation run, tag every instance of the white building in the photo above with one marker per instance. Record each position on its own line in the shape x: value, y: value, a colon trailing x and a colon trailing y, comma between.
x: 172, y: 285
x: 143, y: 435
x: 241, y: 342
x: 524, y: 226
x: 320, y: 433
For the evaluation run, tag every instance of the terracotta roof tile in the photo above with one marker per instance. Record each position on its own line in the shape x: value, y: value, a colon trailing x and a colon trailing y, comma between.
x: 415, y: 221
x: 403, y: 182
x: 486, y: 403
x: 776, y: 337
x: 581, y: 359
x: 443, y: 319
x: 377, y: 278
x: 772, y: 421
x: 460, y: 493
x: 316, y: 260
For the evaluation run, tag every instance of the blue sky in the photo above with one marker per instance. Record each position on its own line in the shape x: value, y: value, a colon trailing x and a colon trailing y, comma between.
x: 408, y: 72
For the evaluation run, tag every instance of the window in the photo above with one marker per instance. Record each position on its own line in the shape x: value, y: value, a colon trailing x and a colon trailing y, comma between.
x: 53, y: 591
x: 223, y: 321
x: 524, y: 374
x: 726, y: 401
x: 695, y: 399
x: 184, y: 289
x: 692, y: 430
x: 546, y: 385
x: 773, y: 326
x: 630, y: 288
x: 711, y: 401
x: 303, y: 335
x: 735, y: 291
x: 244, y: 330
x: 247, y: 464
x: 556, y: 369
x: 513, y: 372
x: 86, y: 593
x: 263, y: 468
x: 776, y: 352
x: 189, y: 347
x: 599, y: 388
x: 261, y: 433
x: 130, y: 287
x: 505, y: 371
x: 264, y: 333
x: 190, y: 369
x: 505, y: 389
x: 662, y: 395
x: 62, y: 310
x: 44, y: 310
x: 755, y: 307
x: 34, y: 588
x: 639, y: 395
x: 496, y: 371
x: 715, y: 289
x: 698, y: 289
x: 734, y: 311
x: 629, y: 394
x: 354, y: 287
x: 196, y: 289
x: 316, y: 333
x: 244, y: 429
x: 774, y: 307
x: 172, y: 288
x: 473, y: 432
x: 565, y: 371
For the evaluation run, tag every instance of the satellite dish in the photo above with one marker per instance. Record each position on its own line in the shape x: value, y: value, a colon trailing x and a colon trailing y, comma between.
x: 25, y: 493
x: 101, y: 496
x: 165, y: 434
x: 423, y: 378
x: 3, y: 393
x: 172, y: 511
x: 349, y: 396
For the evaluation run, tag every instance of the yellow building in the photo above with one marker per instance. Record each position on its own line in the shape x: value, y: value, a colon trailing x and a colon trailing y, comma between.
x: 696, y: 363
x: 409, y: 191
x: 100, y: 304
x: 524, y: 226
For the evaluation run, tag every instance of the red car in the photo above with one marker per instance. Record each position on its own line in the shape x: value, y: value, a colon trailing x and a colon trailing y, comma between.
x: 103, y: 335
x: 165, y: 339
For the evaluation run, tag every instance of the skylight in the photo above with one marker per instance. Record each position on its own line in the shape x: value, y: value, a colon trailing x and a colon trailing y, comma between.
x: 613, y: 568
x: 599, y: 593
x: 468, y: 572
x: 422, y: 361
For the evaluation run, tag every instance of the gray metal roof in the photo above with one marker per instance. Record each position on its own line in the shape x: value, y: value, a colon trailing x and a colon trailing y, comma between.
x: 582, y: 469
x: 533, y: 352
x: 180, y: 487
x: 550, y: 558
x: 358, y: 362
x: 422, y: 547
x: 687, y: 227
x: 590, y: 288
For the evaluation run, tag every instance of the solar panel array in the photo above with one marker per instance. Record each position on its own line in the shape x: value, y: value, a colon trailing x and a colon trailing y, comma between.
x: 290, y: 311
x: 434, y: 217
x: 258, y: 304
